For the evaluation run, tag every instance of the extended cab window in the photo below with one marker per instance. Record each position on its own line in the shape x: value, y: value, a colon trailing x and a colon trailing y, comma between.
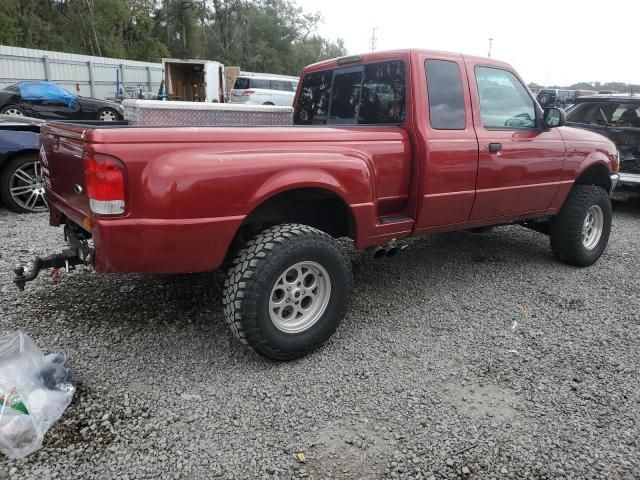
x: 504, y: 102
x: 366, y: 95
x: 446, y: 97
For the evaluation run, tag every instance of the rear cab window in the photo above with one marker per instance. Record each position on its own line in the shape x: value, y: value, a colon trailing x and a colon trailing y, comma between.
x: 369, y: 94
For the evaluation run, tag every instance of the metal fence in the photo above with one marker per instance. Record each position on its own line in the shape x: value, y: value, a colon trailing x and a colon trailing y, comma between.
x: 89, y: 76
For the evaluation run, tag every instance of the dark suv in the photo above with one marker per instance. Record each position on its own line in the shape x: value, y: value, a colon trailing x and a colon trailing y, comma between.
x: 553, y: 97
x: 616, y: 117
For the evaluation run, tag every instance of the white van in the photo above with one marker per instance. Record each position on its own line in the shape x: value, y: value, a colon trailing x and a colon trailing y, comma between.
x: 264, y: 89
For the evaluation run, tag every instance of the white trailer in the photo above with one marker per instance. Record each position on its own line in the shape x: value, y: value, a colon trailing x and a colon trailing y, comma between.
x: 194, y: 80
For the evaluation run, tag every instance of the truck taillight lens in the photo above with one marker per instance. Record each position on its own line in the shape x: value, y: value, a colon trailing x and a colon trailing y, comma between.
x: 104, y: 183
x: 246, y: 93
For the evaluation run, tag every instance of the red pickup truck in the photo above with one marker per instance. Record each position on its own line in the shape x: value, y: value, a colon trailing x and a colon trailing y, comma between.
x: 385, y: 146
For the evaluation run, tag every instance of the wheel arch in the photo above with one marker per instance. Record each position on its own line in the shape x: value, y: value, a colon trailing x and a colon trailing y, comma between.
x: 5, y: 159
x: 320, y: 207
x: 595, y: 174
x: 280, y: 205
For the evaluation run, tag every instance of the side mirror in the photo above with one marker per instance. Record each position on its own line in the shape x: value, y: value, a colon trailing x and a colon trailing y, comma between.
x: 553, y: 117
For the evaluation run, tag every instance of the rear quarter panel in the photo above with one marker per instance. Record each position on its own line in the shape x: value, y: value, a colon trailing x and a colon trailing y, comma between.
x: 188, y: 190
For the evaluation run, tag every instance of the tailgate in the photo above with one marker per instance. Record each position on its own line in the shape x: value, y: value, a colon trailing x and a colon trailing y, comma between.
x: 61, y: 156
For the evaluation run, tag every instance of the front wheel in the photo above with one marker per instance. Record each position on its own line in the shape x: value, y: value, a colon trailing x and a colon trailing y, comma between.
x: 287, y: 291
x: 580, y: 232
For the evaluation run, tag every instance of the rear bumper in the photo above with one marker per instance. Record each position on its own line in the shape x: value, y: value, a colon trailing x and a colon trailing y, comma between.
x: 162, y: 246
x: 130, y: 245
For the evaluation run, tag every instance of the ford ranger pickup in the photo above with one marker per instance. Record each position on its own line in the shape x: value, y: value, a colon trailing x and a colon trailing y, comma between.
x: 384, y: 146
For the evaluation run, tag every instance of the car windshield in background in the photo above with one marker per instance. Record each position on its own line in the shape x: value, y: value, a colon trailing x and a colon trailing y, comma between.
x: 619, y: 114
x: 367, y: 95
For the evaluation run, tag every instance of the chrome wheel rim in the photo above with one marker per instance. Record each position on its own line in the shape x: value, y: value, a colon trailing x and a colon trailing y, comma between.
x: 107, y: 116
x: 14, y: 111
x: 592, y: 227
x: 299, y: 297
x: 26, y: 187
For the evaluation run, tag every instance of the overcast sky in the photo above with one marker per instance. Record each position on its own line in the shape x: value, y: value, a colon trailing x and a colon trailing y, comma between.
x: 560, y: 42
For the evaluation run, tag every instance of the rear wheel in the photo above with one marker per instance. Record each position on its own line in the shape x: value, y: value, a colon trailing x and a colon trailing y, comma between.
x: 107, y: 115
x: 22, y: 186
x: 13, y: 110
x: 580, y: 232
x: 287, y: 291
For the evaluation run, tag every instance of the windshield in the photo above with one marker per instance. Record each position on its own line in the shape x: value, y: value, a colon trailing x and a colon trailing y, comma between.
x: 620, y: 114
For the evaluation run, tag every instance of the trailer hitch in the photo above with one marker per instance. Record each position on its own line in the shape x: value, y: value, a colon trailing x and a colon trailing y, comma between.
x: 67, y: 259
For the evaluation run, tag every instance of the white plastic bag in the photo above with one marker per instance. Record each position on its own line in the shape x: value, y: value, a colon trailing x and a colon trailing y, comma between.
x: 35, y: 390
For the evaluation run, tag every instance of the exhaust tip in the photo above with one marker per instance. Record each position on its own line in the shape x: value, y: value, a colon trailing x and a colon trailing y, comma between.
x: 391, y: 251
x: 379, y: 253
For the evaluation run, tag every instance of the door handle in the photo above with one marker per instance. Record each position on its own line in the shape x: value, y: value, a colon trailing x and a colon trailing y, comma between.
x: 493, y: 147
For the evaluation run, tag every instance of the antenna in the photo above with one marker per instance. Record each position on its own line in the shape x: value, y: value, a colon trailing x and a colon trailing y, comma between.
x: 490, y: 46
x: 374, y: 39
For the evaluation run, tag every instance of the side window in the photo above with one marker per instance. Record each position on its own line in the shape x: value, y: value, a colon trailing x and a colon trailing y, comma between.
x: 281, y: 85
x: 626, y: 115
x: 345, y: 96
x: 592, y: 113
x: 261, y: 83
x: 504, y: 102
x: 241, y: 83
x: 446, y: 97
x: 313, y: 101
x: 384, y: 93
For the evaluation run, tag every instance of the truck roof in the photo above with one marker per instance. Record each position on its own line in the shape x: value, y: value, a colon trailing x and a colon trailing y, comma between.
x: 403, y: 53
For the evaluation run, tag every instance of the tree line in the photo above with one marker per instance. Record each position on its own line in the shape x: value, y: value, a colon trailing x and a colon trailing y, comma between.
x: 258, y: 35
x: 617, y: 87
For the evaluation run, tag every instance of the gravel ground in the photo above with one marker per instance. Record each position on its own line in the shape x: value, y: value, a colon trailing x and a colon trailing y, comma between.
x: 467, y: 356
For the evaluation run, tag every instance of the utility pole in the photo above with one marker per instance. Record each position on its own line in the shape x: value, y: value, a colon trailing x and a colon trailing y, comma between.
x: 374, y: 39
x: 490, y: 46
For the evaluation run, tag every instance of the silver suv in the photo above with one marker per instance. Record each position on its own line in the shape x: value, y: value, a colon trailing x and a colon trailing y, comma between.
x: 264, y: 89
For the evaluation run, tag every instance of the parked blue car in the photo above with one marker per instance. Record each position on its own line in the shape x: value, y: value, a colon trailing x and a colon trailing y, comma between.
x: 21, y: 187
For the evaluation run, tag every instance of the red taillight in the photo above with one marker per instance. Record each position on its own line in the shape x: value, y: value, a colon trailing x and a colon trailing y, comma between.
x: 104, y: 183
x: 246, y: 93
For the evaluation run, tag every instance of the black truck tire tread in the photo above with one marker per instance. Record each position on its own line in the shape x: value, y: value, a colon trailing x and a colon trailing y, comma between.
x: 566, y: 227
x: 246, y: 281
